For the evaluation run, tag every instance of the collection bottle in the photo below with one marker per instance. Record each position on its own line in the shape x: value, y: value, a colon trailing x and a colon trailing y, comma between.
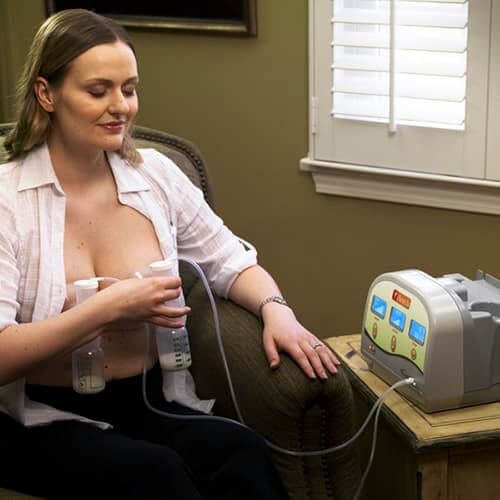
x: 172, y: 343
x: 88, y: 360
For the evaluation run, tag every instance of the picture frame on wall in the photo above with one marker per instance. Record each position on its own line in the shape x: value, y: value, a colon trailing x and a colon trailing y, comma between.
x: 220, y: 17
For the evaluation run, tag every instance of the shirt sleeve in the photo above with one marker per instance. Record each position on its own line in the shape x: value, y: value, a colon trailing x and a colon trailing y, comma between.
x: 202, y: 236
x: 9, y: 273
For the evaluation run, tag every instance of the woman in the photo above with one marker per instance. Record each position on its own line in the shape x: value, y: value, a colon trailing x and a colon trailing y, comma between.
x: 77, y: 200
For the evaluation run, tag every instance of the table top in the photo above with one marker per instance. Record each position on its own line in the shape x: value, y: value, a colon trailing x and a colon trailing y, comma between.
x: 475, y: 424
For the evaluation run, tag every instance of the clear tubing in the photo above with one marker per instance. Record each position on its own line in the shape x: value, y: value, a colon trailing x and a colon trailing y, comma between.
x: 173, y: 415
x: 372, y: 453
x: 376, y: 407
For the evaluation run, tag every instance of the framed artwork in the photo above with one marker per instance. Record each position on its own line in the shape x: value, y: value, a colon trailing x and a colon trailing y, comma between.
x: 224, y: 17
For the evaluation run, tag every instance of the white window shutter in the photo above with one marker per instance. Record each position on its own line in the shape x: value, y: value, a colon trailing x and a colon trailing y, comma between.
x: 400, y: 62
x: 424, y: 77
x: 404, y: 101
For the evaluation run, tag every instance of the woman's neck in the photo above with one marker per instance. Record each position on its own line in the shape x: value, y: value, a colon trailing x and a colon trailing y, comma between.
x: 76, y: 167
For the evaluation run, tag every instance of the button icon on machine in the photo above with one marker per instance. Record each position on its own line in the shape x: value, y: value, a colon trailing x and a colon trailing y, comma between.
x: 393, y: 343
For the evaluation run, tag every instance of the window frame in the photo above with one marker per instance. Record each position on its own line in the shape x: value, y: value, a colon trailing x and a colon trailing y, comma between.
x: 411, y: 186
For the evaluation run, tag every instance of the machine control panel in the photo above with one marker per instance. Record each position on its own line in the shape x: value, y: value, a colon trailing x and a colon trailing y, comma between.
x: 397, y: 322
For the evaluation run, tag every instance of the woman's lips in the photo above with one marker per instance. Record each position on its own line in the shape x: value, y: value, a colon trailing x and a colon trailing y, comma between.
x: 113, y: 125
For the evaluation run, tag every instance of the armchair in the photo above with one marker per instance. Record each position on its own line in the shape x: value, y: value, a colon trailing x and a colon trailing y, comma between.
x: 283, y: 405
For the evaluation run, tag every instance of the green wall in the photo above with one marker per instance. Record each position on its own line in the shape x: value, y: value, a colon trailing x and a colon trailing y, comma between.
x: 244, y: 103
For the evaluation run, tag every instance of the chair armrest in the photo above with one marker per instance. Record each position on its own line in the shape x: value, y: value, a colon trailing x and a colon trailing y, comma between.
x: 283, y: 405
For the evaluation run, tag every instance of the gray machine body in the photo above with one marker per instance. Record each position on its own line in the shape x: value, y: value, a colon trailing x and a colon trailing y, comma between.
x: 453, y: 352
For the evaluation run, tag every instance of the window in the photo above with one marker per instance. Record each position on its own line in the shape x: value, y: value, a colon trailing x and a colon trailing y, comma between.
x: 403, y: 101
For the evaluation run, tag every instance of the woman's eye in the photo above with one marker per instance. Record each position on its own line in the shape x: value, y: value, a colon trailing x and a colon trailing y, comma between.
x: 129, y: 92
x: 96, y: 93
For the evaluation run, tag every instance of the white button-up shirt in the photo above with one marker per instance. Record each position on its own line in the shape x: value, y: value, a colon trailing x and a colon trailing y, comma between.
x: 32, y: 212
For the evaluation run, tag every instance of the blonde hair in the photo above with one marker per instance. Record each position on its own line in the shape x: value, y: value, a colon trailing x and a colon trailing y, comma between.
x: 59, y: 40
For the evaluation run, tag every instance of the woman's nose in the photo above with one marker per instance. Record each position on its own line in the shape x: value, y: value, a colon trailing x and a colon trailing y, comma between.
x: 119, y: 104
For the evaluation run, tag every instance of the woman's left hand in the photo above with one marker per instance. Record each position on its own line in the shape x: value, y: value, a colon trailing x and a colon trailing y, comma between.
x: 283, y: 333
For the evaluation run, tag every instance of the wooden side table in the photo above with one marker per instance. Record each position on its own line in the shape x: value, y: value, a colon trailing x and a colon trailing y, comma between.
x: 448, y: 455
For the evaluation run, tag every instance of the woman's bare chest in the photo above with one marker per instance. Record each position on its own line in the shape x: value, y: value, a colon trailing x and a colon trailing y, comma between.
x: 115, y: 240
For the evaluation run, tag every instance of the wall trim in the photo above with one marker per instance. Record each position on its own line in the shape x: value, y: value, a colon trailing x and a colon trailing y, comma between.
x: 402, y: 186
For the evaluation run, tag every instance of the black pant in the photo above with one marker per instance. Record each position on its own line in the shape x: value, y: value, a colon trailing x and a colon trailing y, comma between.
x: 145, y: 455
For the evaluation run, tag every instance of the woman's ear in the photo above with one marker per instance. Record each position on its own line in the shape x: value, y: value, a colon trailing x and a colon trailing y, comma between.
x: 44, y: 94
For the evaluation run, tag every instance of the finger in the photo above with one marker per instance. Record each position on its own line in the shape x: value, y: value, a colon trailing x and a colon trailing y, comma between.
x: 171, y: 312
x: 326, y: 353
x: 334, y: 358
x: 303, y: 361
x: 169, y: 294
x: 315, y: 359
x: 165, y: 322
x: 271, y: 352
x: 328, y: 358
x: 167, y: 282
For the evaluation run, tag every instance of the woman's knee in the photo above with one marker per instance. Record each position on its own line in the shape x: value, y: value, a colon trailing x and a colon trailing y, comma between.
x: 252, y: 441
x: 246, y: 469
x: 238, y: 446
x: 231, y: 439
x: 151, y: 472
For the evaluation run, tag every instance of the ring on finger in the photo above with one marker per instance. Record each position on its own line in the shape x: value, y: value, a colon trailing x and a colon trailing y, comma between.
x: 315, y: 346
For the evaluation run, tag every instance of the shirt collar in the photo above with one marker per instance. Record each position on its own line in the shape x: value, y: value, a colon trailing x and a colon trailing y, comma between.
x: 127, y: 177
x: 38, y: 171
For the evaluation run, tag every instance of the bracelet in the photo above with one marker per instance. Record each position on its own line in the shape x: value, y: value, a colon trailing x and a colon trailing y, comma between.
x: 273, y: 298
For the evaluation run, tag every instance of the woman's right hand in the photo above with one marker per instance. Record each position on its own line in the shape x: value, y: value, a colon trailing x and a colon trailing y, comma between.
x: 145, y: 300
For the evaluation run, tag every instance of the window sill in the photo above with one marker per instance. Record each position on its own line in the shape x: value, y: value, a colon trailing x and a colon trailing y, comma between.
x: 399, y: 186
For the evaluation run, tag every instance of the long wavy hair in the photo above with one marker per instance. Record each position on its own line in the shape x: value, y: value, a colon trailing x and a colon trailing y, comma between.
x: 59, y: 40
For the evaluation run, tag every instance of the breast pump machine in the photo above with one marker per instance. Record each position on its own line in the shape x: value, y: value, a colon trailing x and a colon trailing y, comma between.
x: 174, y: 355
x: 444, y: 332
